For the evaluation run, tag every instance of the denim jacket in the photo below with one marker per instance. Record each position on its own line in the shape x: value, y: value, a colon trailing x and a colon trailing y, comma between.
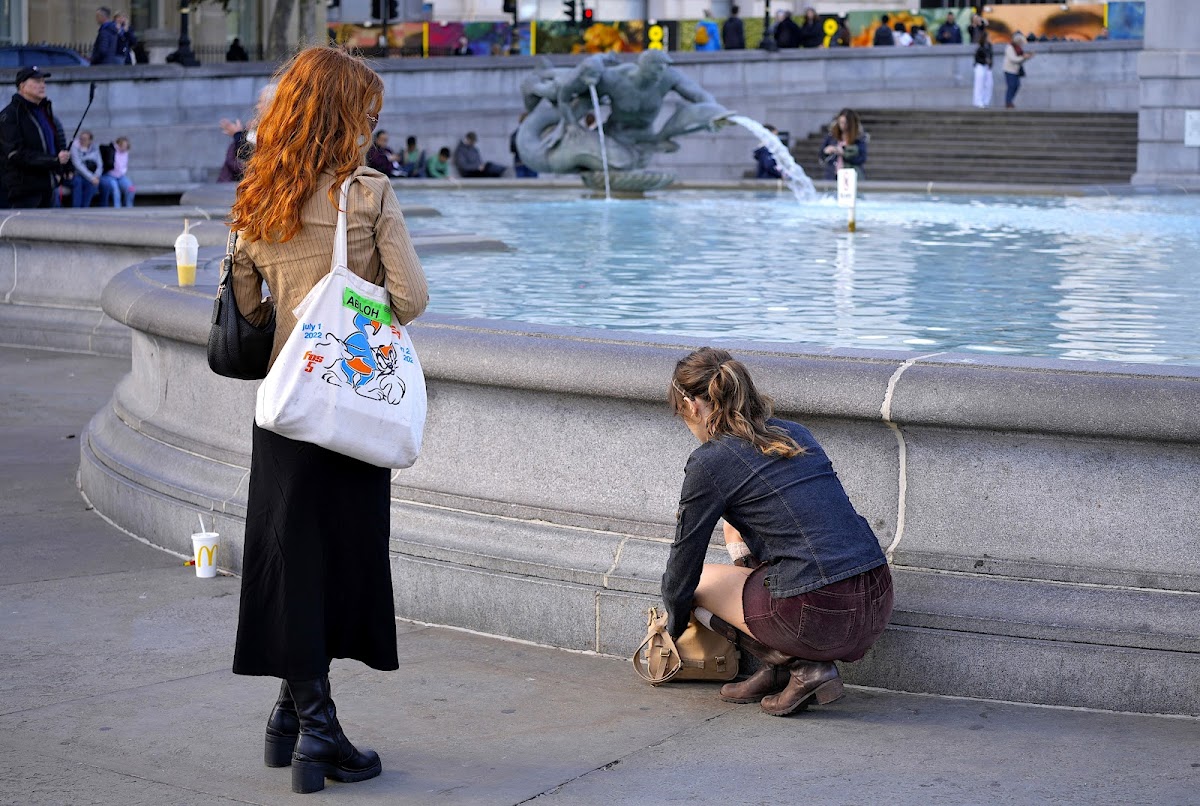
x: 793, y: 514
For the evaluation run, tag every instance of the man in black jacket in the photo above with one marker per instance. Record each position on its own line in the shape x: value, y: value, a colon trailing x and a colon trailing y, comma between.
x: 787, y: 32
x: 106, y: 48
x: 949, y: 33
x: 468, y: 161
x: 733, y: 35
x: 883, y: 34
x: 33, y: 149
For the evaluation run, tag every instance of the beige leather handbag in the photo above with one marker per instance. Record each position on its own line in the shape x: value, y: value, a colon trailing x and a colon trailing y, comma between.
x: 699, y: 654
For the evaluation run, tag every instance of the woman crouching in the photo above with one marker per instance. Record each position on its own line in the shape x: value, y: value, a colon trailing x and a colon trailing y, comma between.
x: 810, y: 584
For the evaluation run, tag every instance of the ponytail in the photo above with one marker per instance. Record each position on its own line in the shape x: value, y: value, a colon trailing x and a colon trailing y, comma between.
x: 737, y: 407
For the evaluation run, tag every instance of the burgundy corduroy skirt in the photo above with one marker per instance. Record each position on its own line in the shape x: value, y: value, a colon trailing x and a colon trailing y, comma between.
x: 837, y: 622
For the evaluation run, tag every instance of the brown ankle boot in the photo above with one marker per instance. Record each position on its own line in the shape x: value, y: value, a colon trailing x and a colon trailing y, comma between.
x: 772, y: 677
x: 767, y: 680
x: 809, y: 680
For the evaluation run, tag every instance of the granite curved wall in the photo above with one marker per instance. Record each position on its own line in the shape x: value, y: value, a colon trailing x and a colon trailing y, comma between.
x: 54, y: 264
x: 1040, y: 514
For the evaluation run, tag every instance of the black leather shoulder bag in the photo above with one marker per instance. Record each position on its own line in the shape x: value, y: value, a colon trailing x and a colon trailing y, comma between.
x: 236, y: 348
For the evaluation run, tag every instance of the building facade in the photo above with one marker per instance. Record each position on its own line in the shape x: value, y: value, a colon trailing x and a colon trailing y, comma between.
x: 214, y: 24
x: 73, y: 22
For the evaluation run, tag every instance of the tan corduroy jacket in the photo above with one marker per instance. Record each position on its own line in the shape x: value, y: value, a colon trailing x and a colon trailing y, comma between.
x: 377, y: 245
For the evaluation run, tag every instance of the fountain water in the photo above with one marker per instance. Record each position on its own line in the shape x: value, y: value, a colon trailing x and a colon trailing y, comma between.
x: 603, y: 148
x: 793, y: 174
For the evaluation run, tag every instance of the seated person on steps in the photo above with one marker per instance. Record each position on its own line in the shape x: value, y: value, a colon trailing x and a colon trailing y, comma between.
x: 380, y: 158
x: 85, y: 158
x: 765, y: 165
x: 413, y: 160
x: 469, y: 163
x: 438, y: 166
x: 116, y: 189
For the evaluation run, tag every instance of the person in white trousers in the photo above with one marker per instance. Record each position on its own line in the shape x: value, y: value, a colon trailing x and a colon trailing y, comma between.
x: 983, y: 72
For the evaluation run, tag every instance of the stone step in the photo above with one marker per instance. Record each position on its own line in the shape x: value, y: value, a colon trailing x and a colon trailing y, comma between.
x: 900, y: 151
x: 995, y: 171
x: 956, y: 165
x: 965, y: 127
x: 1032, y: 179
x: 1059, y: 148
x: 1011, y: 119
x: 959, y: 160
x: 1048, y: 143
x: 906, y: 142
x: 952, y: 633
x: 996, y: 114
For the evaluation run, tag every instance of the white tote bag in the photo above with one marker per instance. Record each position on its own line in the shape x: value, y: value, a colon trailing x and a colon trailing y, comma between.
x: 348, y: 378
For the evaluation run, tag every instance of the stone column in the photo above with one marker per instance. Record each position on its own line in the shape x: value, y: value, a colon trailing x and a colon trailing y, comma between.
x: 1169, y: 75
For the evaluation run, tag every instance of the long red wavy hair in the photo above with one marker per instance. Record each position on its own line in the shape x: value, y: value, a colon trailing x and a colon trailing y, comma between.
x: 319, y: 119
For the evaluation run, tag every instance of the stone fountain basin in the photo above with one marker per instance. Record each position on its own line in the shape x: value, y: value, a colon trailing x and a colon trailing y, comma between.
x: 1041, y: 512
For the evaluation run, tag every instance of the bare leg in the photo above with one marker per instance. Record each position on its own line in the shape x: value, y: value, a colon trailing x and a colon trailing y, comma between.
x: 720, y: 591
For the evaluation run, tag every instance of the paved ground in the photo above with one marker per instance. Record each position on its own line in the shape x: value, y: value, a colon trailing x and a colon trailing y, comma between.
x: 115, y: 689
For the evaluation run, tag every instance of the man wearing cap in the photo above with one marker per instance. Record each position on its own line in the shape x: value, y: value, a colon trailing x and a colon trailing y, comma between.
x: 32, y: 145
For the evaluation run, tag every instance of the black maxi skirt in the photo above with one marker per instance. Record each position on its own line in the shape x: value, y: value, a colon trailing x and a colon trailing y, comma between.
x: 316, y: 581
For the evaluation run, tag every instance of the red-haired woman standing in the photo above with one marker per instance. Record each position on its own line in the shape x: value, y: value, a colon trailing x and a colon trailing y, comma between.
x: 316, y: 582
x: 810, y: 584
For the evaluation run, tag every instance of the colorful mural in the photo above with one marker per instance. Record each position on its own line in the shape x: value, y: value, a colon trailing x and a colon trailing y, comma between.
x: 862, y: 24
x: 627, y: 36
x: 1125, y: 20
x: 1074, y: 23
x: 1081, y: 22
x: 685, y: 38
x: 1077, y: 22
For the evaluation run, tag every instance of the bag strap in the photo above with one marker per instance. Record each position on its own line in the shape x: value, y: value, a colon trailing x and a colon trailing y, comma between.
x: 227, y: 263
x: 339, y: 233
x: 226, y: 274
x: 662, y: 661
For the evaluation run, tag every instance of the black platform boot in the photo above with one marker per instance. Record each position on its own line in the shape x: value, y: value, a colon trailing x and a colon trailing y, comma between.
x: 323, y: 751
x: 772, y: 676
x: 283, y: 726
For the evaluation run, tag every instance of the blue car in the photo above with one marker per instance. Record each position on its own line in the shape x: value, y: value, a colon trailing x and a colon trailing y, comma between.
x: 39, y: 55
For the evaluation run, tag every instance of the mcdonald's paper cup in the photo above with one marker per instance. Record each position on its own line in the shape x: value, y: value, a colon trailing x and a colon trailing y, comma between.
x: 204, y: 547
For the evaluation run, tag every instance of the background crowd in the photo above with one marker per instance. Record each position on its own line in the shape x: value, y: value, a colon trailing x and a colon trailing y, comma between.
x: 39, y: 168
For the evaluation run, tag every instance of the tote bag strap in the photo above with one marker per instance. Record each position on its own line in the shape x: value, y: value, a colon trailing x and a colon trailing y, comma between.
x: 339, y: 233
x: 340, y: 258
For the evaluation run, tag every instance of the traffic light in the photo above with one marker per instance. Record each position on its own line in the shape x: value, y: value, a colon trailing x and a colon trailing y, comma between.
x: 587, y: 16
x: 569, y: 10
x: 510, y: 6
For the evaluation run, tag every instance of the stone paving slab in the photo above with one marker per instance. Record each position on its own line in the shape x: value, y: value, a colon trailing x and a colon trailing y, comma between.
x: 115, y: 689
x: 875, y: 746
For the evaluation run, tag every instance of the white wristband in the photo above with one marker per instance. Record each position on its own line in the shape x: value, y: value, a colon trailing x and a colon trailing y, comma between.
x: 737, y: 550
